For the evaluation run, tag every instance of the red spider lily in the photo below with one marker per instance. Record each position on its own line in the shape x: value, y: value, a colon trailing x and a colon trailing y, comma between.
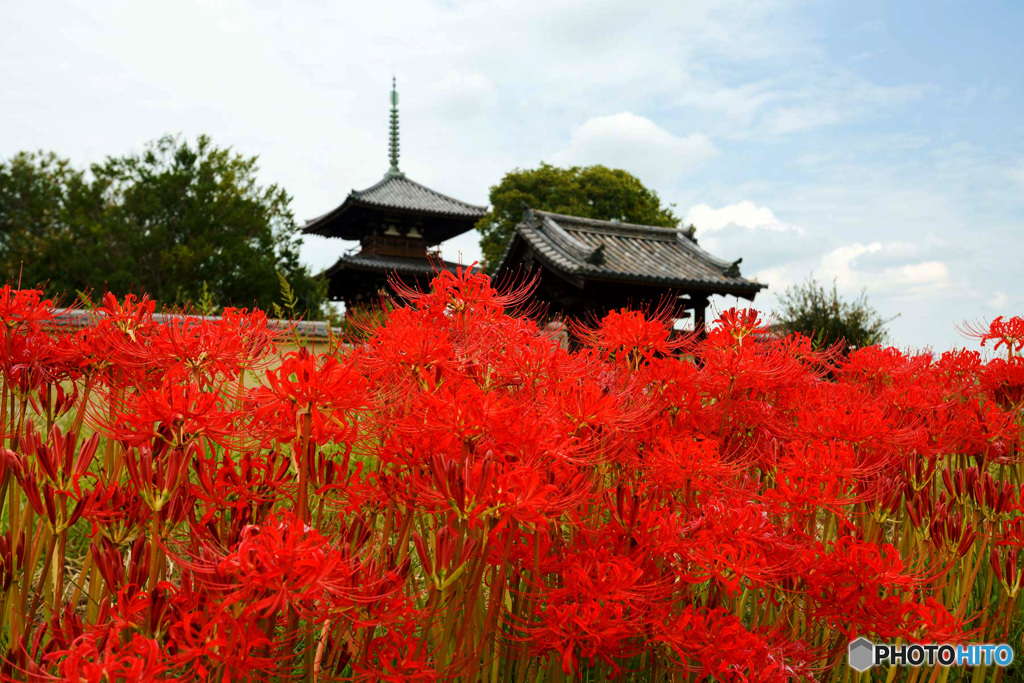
x: 24, y: 308
x: 732, y: 539
x: 396, y: 656
x: 202, y: 350
x: 1005, y: 333
x: 116, y: 511
x: 282, y: 564
x: 465, y: 294
x: 461, y: 497
x: 632, y: 333
x: 857, y: 586
x: 715, y: 643
x: 1008, y: 567
x: 325, y: 390
x: 176, y: 414
x: 102, y: 657
x: 1003, y: 379
x: 239, y: 487
x: 157, y: 470
x: 735, y: 325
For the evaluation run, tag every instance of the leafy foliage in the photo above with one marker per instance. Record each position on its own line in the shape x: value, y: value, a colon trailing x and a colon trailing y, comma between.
x: 182, y: 222
x: 809, y: 309
x: 589, y: 192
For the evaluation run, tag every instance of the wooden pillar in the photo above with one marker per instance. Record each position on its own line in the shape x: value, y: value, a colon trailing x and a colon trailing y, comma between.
x: 700, y: 308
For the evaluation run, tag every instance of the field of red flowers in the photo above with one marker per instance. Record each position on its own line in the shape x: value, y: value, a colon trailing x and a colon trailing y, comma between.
x: 459, y: 497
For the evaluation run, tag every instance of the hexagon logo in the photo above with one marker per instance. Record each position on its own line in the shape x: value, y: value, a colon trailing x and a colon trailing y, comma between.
x: 861, y: 655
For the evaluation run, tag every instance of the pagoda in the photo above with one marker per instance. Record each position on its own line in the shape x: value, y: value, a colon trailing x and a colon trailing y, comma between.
x: 398, y: 223
x: 585, y: 267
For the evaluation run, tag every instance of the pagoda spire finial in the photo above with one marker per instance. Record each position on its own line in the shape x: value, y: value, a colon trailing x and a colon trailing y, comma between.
x: 393, y: 141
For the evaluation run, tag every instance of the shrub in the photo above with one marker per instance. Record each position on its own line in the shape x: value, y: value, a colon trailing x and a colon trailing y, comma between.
x: 827, y: 319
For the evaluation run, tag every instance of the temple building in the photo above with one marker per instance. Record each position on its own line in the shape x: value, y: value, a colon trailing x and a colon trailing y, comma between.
x: 398, y: 223
x: 583, y: 267
x: 587, y: 267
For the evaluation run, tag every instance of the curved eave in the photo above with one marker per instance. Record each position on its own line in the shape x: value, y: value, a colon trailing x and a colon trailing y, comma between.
x: 445, y: 225
x: 386, y: 265
x: 559, y: 263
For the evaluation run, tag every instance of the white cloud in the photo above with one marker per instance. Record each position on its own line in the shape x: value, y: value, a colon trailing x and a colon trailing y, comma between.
x: 638, y: 145
x: 744, y: 214
x: 932, y: 273
x: 831, y: 97
x: 855, y: 267
x: 998, y: 300
x: 840, y: 263
x: 739, y: 105
x: 777, y: 279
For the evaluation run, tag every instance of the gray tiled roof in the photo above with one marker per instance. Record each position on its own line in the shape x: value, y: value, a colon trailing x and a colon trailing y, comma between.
x: 595, y: 249
x: 79, y: 318
x: 398, y: 192
x: 391, y: 264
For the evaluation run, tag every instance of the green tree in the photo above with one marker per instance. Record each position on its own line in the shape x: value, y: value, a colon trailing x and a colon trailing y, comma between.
x: 179, y: 221
x: 589, y: 192
x: 809, y: 309
x: 48, y: 212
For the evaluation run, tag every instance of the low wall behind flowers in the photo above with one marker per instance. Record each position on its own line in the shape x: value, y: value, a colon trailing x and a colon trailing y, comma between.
x: 461, y: 496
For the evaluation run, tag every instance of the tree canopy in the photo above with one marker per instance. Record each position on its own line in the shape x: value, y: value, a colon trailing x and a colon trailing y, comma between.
x: 808, y: 308
x: 589, y: 192
x: 181, y: 222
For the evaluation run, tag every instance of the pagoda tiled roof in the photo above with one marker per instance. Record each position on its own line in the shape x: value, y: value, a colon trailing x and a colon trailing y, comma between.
x: 389, y: 264
x: 398, y: 193
x: 590, y: 249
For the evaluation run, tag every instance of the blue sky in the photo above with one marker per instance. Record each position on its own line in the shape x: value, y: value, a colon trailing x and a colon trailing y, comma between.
x: 879, y: 145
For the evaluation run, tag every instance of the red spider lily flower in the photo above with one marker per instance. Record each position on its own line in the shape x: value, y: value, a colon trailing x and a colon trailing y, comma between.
x: 120, y: 334
x: 321, y: 388
x: 690, y: 467
x: 1003, y: 380
x: 713, y: 642
x: 734, y: 325
x: 633, y: 335
x: 733, y: 538
x: 50, y: 500
x: 817, y: 475
x: 857, y: 587
x: 952, y: 535
x: 157, y: 470
x: 1008, y: 568
x: 279, y: 564
x: 202, y: 350
x: 31, y: 360
x: 116, y: 511
x: 59, y: 457
x: 1005, y: 333
x: 174, y: 413
x: 109, y: 655
x: 933, y: 623
x: 21, y: 308
x: 7, y: 566
x: 1012, y: 532
x: 397, y: 656
x: 596, y: 611
x: 464, y: 295
x: 238, y: 487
